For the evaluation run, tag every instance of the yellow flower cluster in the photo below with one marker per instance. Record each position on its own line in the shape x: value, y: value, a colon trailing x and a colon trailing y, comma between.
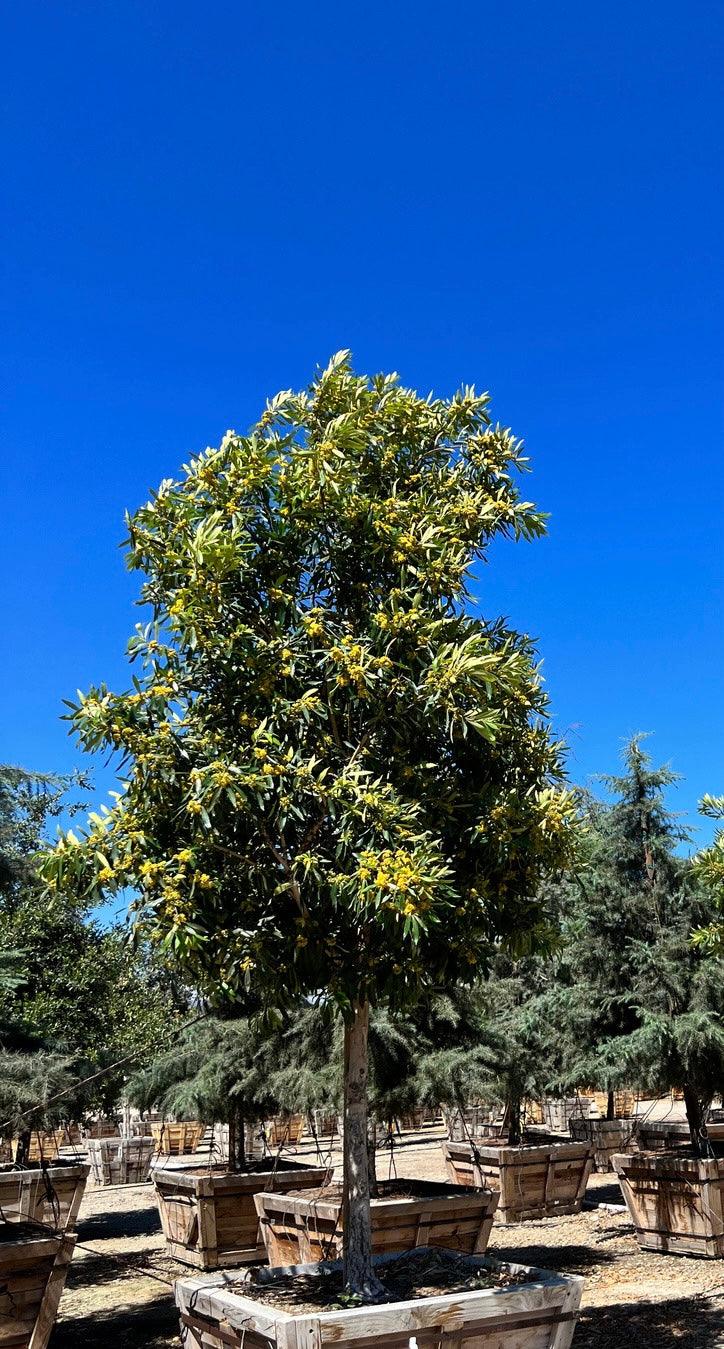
x: 400, y: 620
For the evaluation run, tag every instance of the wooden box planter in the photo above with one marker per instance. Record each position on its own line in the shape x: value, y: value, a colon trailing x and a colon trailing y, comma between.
x: 539, y: 1181
x: 676, y: 1202
x: 51, y: 1196
x: 606, y: 1136
x: 474, y: 1122
x: 33, y: 1270
x: 660, y: 1136
x: 624, y: 1103
x: 558, y: 1111
x: 540, y: 1314
x: 43, y: 1147
x: 285, y: 1130
x: 101, y: 1128
x: 412, y: 1121
x: 306, y: 1227
x: 208, y: 1214
x: 120, y: 1161
x: 174, y: 1139
x: 325, y: 1124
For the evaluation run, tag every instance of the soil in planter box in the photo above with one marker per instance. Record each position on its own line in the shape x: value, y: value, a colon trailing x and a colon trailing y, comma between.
x: 426, y: 1272
x: 400, y: 1188
x: 20, y: 1232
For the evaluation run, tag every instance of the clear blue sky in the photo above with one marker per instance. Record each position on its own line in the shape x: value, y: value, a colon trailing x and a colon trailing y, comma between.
x: 203, y: 201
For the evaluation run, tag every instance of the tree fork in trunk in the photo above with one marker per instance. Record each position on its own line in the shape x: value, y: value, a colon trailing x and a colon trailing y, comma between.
x: 357, y: 1226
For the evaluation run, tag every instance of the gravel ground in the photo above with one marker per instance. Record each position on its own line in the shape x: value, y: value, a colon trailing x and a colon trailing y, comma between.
x: 119, y: 1293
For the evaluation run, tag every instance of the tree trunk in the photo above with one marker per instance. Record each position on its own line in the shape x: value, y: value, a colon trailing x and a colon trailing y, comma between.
x: 695, y: 1120
x: 356, y: 1222
x: 372, y: 1156
x: 512, y: 1114
x: 238, y: 1163
x: 22, y: 1151
x: 611, y: 1106
x: 237, y: 1148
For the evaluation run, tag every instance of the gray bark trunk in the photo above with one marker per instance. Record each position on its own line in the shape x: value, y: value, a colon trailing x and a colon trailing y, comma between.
x: 357, y: 1228
x: 695, y: 1120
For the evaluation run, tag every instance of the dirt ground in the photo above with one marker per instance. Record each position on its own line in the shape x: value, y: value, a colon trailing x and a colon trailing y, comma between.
x: 119, y: 1292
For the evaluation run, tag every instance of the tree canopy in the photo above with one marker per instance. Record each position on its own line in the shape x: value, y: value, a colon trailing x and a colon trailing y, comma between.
x: 335, y: 774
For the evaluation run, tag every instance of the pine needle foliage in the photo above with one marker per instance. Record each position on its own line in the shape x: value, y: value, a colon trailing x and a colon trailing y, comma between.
x: 635, y: 1002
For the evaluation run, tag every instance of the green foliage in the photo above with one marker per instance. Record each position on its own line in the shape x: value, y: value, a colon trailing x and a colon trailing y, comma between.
x: 709, y: 867
x: 29, y: 1086
x: 216, y: 1071
x: 65, y: 983
x: 335, y: 776
x: 634, y: 1001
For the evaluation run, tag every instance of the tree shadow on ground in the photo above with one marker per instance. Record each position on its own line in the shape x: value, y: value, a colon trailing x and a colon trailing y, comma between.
x: 100, y: 1268
x: 566, y: 1259
x: 110, y: 1225
x: 610, y: 1193
x: 154, y: 1325
x: 683, y: 1323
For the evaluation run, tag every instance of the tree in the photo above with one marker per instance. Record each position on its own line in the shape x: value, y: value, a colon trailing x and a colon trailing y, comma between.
x: 337, y: 780
x: 219, y: 1072
x: 492, y: 1043
x: 633, y: 1000
x: 66, y: 984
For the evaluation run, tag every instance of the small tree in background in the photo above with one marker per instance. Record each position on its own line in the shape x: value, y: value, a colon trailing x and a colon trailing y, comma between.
x: 38, y: 1091
x: 633, y: 1001
x: 338, y: 781
x: 66, y: 983
x: 219, y: 1072
x: 491, y: 1043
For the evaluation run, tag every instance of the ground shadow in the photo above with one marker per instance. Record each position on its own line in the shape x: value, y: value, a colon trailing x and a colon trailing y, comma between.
x: 567, y: 1259
x: 610, y: 1193
x: 154, y: 1325
x: 683, y: 1323
x: 99, y: 1268
x: 110, y: 1225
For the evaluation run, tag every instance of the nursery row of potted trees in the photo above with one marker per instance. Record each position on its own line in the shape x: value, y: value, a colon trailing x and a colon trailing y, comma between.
x: 339, y: 788
x: 343, y: 807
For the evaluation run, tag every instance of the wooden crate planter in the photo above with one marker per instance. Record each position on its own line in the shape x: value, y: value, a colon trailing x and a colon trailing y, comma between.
x: 660, y: 1136
x: 285, y: 1130
x: 676, y: 1203
x: 325, y: 1124
x: 208, y: 1214
x: 120, y: 1161
x: 558, y: 1111
x: 101, y: 1128
x: 51, y: 1196
x: 606, y: 1136
x: 412, y: 1121
x: 538, y: 1181
x: 173, y: 1139
x: 33, y: 1271
x: 306, y: 1227
x: 475, y: 1121
x: 43, y: 1147
x: 540, y: 1314
x: 624, y: 1103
